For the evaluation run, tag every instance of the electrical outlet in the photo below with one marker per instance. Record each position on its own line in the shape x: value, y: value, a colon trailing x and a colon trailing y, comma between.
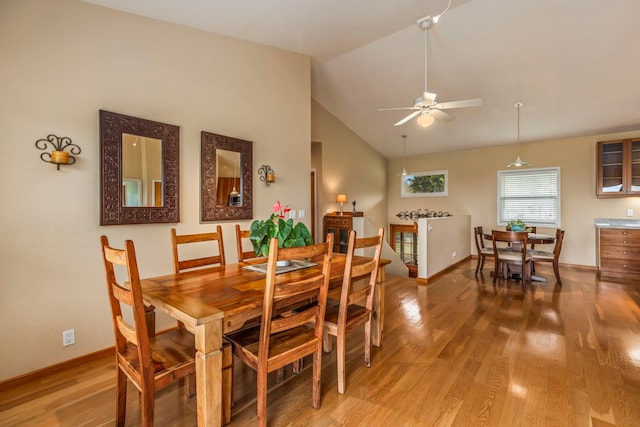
x: 454, y: 254
x: 301, y: 214
x: 629, y: 212
x: 68, y: 337
x: 292, y: 214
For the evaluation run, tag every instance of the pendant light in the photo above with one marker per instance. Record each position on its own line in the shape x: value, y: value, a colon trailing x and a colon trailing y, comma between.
x: 404, y: 156
x: 234, y: 192
x: 518, y: 162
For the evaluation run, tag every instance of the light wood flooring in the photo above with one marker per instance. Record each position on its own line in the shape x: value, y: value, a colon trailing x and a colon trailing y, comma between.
x: 458, y: 352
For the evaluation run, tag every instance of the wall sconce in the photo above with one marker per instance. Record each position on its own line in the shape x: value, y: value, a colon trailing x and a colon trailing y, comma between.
x: 342, y: 199
x: 267, y: 175
x: 58, y: 156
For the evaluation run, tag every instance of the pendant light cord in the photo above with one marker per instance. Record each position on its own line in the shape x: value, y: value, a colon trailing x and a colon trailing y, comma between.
x: 518, y: 105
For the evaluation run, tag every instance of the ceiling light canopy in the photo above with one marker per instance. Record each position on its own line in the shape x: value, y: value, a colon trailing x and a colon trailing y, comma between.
x: 518, y: 162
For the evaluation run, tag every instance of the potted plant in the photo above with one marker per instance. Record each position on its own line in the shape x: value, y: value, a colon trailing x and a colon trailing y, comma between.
x: 516, y: 225
x: 289, y: 235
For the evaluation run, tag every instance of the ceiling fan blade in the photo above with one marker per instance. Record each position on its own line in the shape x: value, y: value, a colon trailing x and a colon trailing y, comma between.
x: 459, y: 104
x: 409, y: 117
x: 398, y: 108
x: 441, y: 115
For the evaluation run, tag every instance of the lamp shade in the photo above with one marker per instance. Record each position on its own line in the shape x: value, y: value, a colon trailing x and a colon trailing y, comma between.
x: 341, y: 198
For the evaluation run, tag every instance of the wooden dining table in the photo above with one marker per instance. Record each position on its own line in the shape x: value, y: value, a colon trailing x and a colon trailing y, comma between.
x: 533, y: 239
x: 213, y: 301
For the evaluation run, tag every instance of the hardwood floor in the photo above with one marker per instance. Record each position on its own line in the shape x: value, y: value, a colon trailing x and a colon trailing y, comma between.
x: 456, y: 352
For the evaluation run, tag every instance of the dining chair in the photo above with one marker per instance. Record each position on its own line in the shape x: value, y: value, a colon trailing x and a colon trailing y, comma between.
x: 148, y: 362
x: 283, y: 339
x: 189, y: 263
x: 504, y: 258
x: 181, y: 265
x: 356, y: 302
x: 483, y: 251
x: 242, y: 254
x: 552, y: 257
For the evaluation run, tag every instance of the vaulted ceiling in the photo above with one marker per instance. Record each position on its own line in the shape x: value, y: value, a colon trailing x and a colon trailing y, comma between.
x: 575, y: 64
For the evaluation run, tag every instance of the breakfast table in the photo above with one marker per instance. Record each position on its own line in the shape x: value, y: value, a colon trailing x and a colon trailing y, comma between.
x: 533, y: 239
x: 214, y: 301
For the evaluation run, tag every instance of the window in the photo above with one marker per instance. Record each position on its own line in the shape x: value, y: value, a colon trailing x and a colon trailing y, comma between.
x: 532, y: 195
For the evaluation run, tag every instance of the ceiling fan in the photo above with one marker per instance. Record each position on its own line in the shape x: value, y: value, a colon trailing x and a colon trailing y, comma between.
x: 428, y: 106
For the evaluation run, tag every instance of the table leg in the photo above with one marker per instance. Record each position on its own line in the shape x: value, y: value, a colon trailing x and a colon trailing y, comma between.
x: 209, y: 373
x: 377, y: 327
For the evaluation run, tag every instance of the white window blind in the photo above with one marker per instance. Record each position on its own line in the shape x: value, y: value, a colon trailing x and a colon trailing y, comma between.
x: 532, y: 195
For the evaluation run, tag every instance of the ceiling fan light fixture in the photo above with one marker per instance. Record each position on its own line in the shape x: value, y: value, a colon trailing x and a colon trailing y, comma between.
x: 425, y: 120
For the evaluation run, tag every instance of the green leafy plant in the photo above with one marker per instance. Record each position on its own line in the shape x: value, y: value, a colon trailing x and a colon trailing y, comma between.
x: 516, y: 225
x: 289, y: 235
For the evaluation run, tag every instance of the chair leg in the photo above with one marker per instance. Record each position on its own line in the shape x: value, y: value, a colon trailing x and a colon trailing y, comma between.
x: 190, y: 385
x: 341, y: 356
x: 262, y: 397
x: 317, y: 370
x: 478, y: 264
x: 280, y: 375
x: 556, y: 271
x: 482, y: 263
x: 298, y: 365
x: 146, y: 414
x: 367, y: 343
x: 121, y: 398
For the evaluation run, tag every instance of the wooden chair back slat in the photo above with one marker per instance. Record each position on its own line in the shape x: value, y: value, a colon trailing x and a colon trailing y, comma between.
x: 297, y: 319
x: 127, y: 331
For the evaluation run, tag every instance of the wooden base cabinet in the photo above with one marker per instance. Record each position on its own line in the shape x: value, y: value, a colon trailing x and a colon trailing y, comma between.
x: 339, y: 226
x: 619, y: 253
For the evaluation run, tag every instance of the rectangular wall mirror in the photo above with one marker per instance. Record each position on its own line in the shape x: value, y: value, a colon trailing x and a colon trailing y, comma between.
x: 226, y: 178
x: 138, y: 170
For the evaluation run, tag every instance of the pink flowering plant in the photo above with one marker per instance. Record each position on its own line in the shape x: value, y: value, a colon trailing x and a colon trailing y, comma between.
x: 288, y: 234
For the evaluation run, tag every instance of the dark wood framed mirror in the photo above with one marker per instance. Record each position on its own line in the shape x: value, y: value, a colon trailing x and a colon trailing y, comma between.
x: 139, y: 170
x: 226, y: 179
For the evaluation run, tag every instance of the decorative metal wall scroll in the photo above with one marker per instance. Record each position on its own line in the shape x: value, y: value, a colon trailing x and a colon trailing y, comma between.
x: 420, y: 214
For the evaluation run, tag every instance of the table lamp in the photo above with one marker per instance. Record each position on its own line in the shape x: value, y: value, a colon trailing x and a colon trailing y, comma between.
x: 342, y: 199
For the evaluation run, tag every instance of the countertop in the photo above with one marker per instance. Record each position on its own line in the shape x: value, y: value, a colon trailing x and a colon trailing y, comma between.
x: 616, y: 223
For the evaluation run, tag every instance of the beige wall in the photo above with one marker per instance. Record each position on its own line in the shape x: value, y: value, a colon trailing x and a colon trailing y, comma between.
x: 349, y: 166
x: 62, y: 61
x: 473, y: 181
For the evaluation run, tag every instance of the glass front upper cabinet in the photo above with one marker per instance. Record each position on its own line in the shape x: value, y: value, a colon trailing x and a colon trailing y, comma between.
x: 618, y: 168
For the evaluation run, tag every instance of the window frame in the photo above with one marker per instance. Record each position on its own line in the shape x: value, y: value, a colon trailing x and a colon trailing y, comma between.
x: 502, y: 220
